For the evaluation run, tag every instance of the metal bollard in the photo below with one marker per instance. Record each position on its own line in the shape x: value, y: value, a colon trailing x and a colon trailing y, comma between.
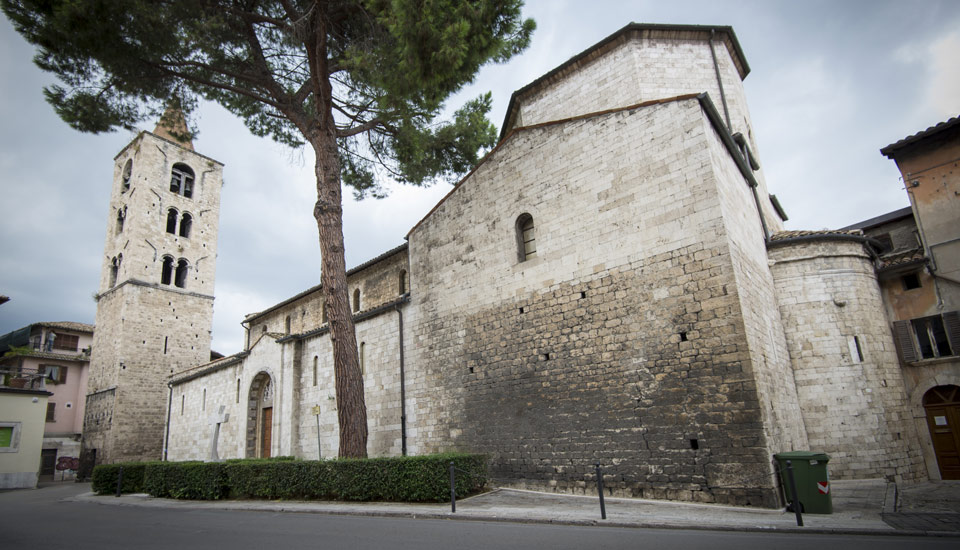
x: 793, y: 492
x: 453, y: 491
x: 120, y: 481
x: 603, y: 507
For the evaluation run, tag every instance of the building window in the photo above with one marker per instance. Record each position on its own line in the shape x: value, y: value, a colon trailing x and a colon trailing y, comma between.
x: 180, y: 278
x: 886, y: 242
x: 323, y: 313
x: 127, y: 173
x: 403, y: 281
x: 55, y: 374
x: 51, y: 412
x: 356, y: 299
x: 928, y: 337
x: 166, y: 273
x: 9, y: 437
x: 910, y: 281
x: 363, y: 358
x: 68, y: 342
x: 526, y: 238
x: 181, y: 180
x: 315, y: 359
x: 115, y: 269
x: 172, y: 221
x: 286, y: 325
x: 121, y: 214
x: 186, y: 223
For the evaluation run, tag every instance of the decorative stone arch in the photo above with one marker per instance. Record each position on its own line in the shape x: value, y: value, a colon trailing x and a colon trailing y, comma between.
x: 260, y: 416
x: 918, y: 415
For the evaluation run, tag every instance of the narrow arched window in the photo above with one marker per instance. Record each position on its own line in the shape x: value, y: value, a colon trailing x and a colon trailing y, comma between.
x: 180, y: 280
x: 121, y: 214
x: 181, y: 180
x: 403, y: 281
x: 186, y: 222
x: 526, y: 238
x: 356, y: 299
x: 286, y: 325
x: 315, y: 359
x: 166, y: 274
x: 323, y: 313
x: 115, y: 269
x: 127, y: 173
x: 172, y: 221
x: 363, y: 357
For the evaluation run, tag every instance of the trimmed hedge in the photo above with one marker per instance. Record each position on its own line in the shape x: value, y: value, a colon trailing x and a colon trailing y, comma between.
x: 404, y: 479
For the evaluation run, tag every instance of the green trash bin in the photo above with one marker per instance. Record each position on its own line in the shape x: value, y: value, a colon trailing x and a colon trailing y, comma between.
x: 812, y: 479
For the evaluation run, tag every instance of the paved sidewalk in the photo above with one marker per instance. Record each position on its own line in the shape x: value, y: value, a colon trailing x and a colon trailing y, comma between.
x: 926, y: 506
x: 859, y: 508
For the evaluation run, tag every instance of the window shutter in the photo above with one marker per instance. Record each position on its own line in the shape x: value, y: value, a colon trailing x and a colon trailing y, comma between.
x: 63, y: 375
x: 951, y: 322
x: 51, y: 412
x: 903, y: 335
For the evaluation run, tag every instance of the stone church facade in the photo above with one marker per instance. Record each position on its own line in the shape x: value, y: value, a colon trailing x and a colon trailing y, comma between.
x: 611, y: 284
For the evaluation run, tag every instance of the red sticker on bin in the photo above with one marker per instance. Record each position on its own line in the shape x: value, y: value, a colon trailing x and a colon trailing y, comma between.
x: 823, y: 487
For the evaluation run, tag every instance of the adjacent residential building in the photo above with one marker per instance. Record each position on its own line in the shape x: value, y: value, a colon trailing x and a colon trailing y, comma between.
x: 54, y: 357
x: 22, y: 412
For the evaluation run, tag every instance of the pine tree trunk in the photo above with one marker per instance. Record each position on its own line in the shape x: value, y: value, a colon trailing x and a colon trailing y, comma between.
x: 351, y: 408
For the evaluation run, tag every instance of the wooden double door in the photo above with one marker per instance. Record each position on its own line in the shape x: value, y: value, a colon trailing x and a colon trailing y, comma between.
x: 942, y: 405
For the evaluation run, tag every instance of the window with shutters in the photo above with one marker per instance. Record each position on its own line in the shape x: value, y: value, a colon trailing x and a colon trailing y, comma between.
x: 928, y: 337
x: 51, y: 412
x: 56, y: 374
x: 68, y: 342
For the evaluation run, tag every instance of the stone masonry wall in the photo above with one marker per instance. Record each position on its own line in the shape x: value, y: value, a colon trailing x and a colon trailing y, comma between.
x: 853, y: 402
x: 599, y: 348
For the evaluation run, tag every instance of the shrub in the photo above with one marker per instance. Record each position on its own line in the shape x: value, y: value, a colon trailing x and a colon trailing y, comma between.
x: 105, y: 477
x: 405, y: 479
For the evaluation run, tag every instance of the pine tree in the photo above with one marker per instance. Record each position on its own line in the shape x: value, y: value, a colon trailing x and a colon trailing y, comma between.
x: 361, y: 82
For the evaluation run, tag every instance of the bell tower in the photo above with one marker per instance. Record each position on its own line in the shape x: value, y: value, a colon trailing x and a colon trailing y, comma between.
x: 155, y: 300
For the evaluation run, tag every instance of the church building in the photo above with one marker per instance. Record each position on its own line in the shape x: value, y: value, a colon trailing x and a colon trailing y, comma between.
x: 611, y: 284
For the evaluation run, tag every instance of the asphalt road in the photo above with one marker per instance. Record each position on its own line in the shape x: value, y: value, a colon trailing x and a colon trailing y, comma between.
x: 41, y: 519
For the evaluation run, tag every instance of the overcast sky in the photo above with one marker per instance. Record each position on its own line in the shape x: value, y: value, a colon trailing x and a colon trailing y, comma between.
x: 830, y: 84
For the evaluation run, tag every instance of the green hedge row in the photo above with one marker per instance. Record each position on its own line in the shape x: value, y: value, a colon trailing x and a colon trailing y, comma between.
x: 404, y: 479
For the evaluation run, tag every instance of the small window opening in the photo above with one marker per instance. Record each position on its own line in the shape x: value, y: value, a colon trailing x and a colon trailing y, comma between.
x: 183, y: 402
x: 856, y: 343
x: 203, y: 404
x: 683, y: 336
x: 115, y: 269
x: 403, y: 281
x: 263, y: 329
x: 694, y: 444
x: 583, y: 295
x: 181, y: 180
x: 181, y: 275
x: 286, y: 325
x: 172, y: 221
x: 323, y: 313
x: 526, y: 238
x: 886, y: 242
x: 315, y: 360
x: 121, y: 214
x: 238, y: 390
x: 363, y: 359
x: 166, y: 274
x: 165, y: 339
x: 546, y: 356
x: 356, y: 300
x: 910, y: 281
x: 521, y: 310
x: 51, y: 412
x: 186, y: 223
x: 127, y: 173
x: 471, y: 370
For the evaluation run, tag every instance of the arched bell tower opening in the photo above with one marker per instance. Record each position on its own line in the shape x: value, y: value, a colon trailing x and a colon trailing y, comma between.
x: 260, y: 417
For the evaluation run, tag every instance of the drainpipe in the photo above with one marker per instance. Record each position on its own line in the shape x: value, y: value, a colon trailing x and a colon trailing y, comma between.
x: 166, y: 435
x: 716, y: 68
x: 403, y: 389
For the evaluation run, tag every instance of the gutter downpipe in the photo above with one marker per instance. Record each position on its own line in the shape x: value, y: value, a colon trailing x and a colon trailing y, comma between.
x: 403, y: 388
x: 723, y: 96
x: 166, y: 434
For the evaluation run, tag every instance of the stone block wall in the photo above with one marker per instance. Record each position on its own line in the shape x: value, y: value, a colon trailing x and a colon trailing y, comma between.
x: 620, y: 342
x: 844, y: 359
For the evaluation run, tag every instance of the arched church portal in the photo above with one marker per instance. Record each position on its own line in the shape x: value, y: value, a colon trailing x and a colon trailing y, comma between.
x: 260, y: 417
x: 942, y: 405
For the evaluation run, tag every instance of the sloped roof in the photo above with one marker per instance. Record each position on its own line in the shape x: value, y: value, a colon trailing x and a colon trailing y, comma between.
x: 890, y: 150
x: 68, y: 325
x: 882, y: 219
x: 725, y: 34
x: 785, y: 235
x: 901, y: 259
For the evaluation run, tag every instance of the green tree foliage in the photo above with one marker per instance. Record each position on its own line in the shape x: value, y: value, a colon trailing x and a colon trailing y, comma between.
x: 362, y: 82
